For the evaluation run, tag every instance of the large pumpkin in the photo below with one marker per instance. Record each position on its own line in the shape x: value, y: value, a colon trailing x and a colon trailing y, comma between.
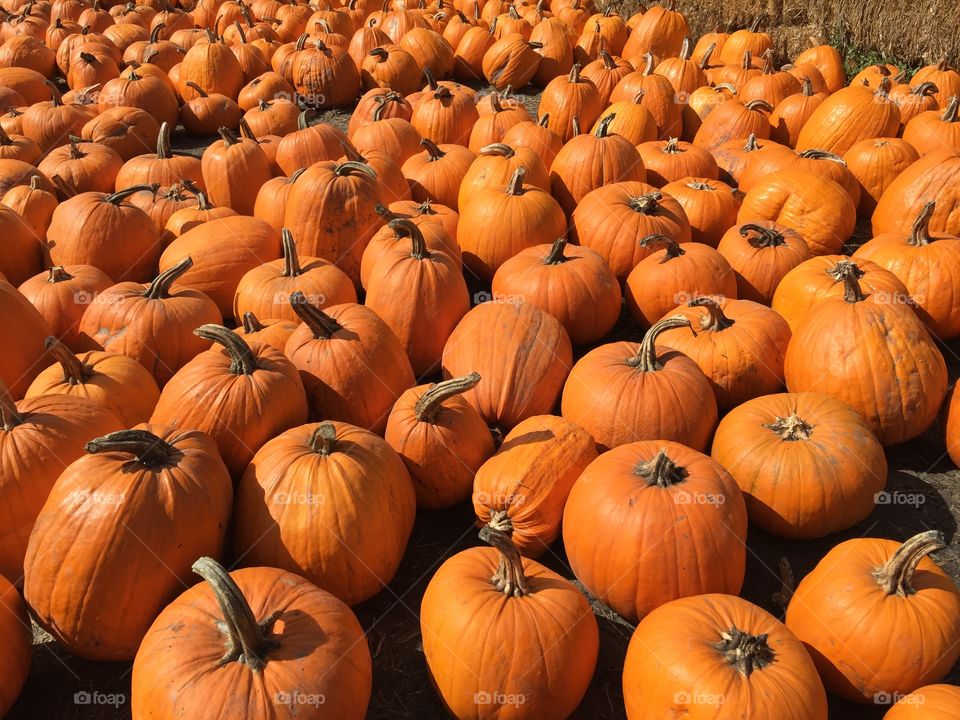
x: 869, y: 583
x: 331, y: 502
x: 522, y: 353
x: 807, y: 463
x: 15, y: 627
x: 290, y: 646
x: 485, y: 598
x: 647, y: 501
x: 874, y: 354
x: 622, y: 392
x: 100, y: 564
x: 239, y: 395
x: 716, y: 657
x: 933, y: 178
x: 523, y: 488
x: 848, y: 116
x: 876, y: 164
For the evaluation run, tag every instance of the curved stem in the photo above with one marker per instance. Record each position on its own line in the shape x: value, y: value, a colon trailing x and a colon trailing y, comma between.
x: 509, y: 578
x: 715, y: 320
x: 896, y: 575
x: 150, y: 450
x: 765, y: 237
x: 603, y: 129
x: 229, y: 137
x: 248, y: 641
x: 251, y: 323
x: 673, y: 249
x: 759, y: 104
x: 646, y: 358
x: 556, y: 256
x: 160, y: 287
x: 323, y: 440
x: 791, y: 428
x: 163, y: 142
x: 321, y: 324
x: 9, y: 417
x: 243, y: 361
x: 350, y: 167
x: 75, y: 372
x: 404, y: 227
x: 515, y: 186
x: 744, y: 651
x: 499, y: 149
x: 672, y: 147
x: 429, y: 403
x: 121, y: 195
x: 291, y: 261
x: 660, y: 471
x: 434, y: 153
x: 920, y: 234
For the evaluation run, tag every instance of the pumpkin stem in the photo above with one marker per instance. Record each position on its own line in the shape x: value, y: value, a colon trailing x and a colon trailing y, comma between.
x: 556, y: 256
x: 324, y: 438
x: 291, y: 261
x: 251, y: 323
x: 58, y: 273
x: 761, y: 104
x: 249, y: 640
x: 245, y: 131
x: 852, y: 292
x: 807, y: 87
x: 543, y: 120
x: 499, y: 149
x: 752, y: 143
x: 429, y: 403
x: 229, y: 137
x: 646, y: 204
x: 714, y: 320
x: 838, y: 271
x: 75, y: 372
x: 9, y: 417
x: 672, y: 147
x: 163, y: 143
x: 920, y: 234
x: 200, y: 91
x: 646, y: 358
x: 150, y: 450
x: 661, y: 471
x: 121, y: 195
x: 160, y: 287
x: 744, y: 651
x: 515, y: 186
x: 927, y: 88
x: 707, y: 54
x: 673, y: 249
x: 243, y: 361
x: 321, y: 324
x: 648, y: 64
x: 765, y: 237
x: 350, y: 167
x: 304, y: 118
x: 434, y: 152
x: 404, y: 227
x: 509, y: 578
x: 603, y: 128
x: 896, y: 575
x: 431, y: 80
x: 791, y: 428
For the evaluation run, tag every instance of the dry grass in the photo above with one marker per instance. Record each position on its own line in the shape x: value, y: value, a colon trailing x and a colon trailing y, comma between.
x: 865, y: 30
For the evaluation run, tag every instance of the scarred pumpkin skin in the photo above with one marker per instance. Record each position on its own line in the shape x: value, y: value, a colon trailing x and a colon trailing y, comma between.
x: 331, y: 502
x: 307, y: 658
x: 546, y: 628
x: 875, y: 355
x: 525, y: 485
x: 931, y: 702
x: 15, y: 630
x: 807, y: 463
x: 932, y: 178
x: 100, y: 565
x: 869, y: 583
x: 522, y: 353
x: 683, y: 658
x: 641, y: 502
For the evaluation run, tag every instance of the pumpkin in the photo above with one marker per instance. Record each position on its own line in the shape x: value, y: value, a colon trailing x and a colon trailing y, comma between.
x: 572, y: 283
x: 470, y: 52
x: 19, y: 147
x: 659, y: 499
x: 876, y: 164
x: 925, y: 263
x: 140, y: 91
x: 310, y: 144
x: 23, y: 359
x: 234, y: 171
x: 660, y: 31
x: 622, y: 392
x: 933, y: 702
x: 510, y: 61
x: 241, y: 396
x: 267, y: 86
x: 674, y: 275
x: 568, y: 97
x: 807, y: 463
x: 49, y: 123
x: 538, y: 621
x: 163, y: 167
x: 929, y: 179
x: 22, y: 249
x: 734, y: 157
x: 827, y: 60
x: 187, y: 218
x: 611, y: 219
x: 495, y: 165
x: 771, y: 85
x: 848, y: 116
x: 153, y: 482
x: 734, y: 120
x: 820, y: 277
x: 872, y: 76
x: 436, y: 238
x: 632, y: 120
x: 718, y: 654
x: 125, y: 130
x: 656, y: 94
x: 944, y: 77
x: 521, y: 381
x: 442, y: 440
x: 932, y: 130
x: 352, y: 365
x: 684, y: 74
x: 674, y: 160
x: 792, y: 112
x: 112, y: 381
x: 885, y: 584
x: 746, y: 40
x: 818, y: 208
x: 522, y: 489
x: 490, y: 127
x: 61, y: 295
x: 536, y: 136
x: 500, y: 221
x: 15, y: 626
x: 858, y: 333
x: 445, y: 117
x: 711, y: 207
x: 280, y: 632
x: 211, y: 66
x: 38, y: 437
x: 389, y: 66
x: 150, y: 323
x: 914, y: 101
x: 436, y: 173
x: 760, y: 255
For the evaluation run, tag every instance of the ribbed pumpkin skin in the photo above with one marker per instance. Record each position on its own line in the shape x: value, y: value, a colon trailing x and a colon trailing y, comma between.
x: 846, y: 117
x: 98, y: 594
x: 934, y: 177
x: 676, y: 645
x: 23, y: 359
x: 953, y: 427
x: 874, y: 355
x: 758, y: 264
x: 322, y: 652
x: 837, y: 603
x: 15, y: 629
x: 475, y: 638
x: 61, y: 301
x: 22, y: 251
x: 876, y: 164
x: 530, y: 478
x: 522, y: 353
x: 341, y: 520
x: 931, y: 702
x: 618, y: 527
x: 807, y: 464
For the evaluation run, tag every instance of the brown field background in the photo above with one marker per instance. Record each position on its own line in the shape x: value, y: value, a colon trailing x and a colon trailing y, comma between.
x: 914, y: 33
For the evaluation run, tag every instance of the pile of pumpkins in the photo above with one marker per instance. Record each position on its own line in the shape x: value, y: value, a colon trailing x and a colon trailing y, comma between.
x: 190, y: 378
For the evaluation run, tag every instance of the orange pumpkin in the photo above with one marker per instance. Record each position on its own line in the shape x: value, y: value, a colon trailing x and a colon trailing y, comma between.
x: 934, y: 130
x: 711, y: 207
x: 15, y: 626
x: 848, y: 116
x: 660, y: 31
x: 734, y: 120
x: 510, y: 61
x: 674, y: 160
x: 566, y: 98
x: 437, y: 172
x: 929, y: 179
x: 792, y: 112
x: 163, y: 167
x: 537, y: 136
x: 876, y: 164
x: 931, y: 702
x: 828, y: 61
x: 491, y: 127
x: 760, y: 255
x: 655, y: 94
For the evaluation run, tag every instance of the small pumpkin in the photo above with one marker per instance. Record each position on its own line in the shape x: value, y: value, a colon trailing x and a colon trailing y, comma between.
x: 61, y: 295
x: 674, y: 160
x: 568, y: 97
x: 711, y: 207
x: 792, y: 112
x: 126, y: 130
x: 734, y: 120
x: 761, y: 254
x: 876, y: 164
x: 34, y: 205
x: 437, y: 172
x: 163, y: 167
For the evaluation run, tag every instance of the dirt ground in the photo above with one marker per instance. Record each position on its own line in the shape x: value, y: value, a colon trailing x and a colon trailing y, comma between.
x: 59, y: 683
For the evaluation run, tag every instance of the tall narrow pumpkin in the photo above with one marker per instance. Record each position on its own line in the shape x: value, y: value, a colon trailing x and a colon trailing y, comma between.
x: 234, y: 170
